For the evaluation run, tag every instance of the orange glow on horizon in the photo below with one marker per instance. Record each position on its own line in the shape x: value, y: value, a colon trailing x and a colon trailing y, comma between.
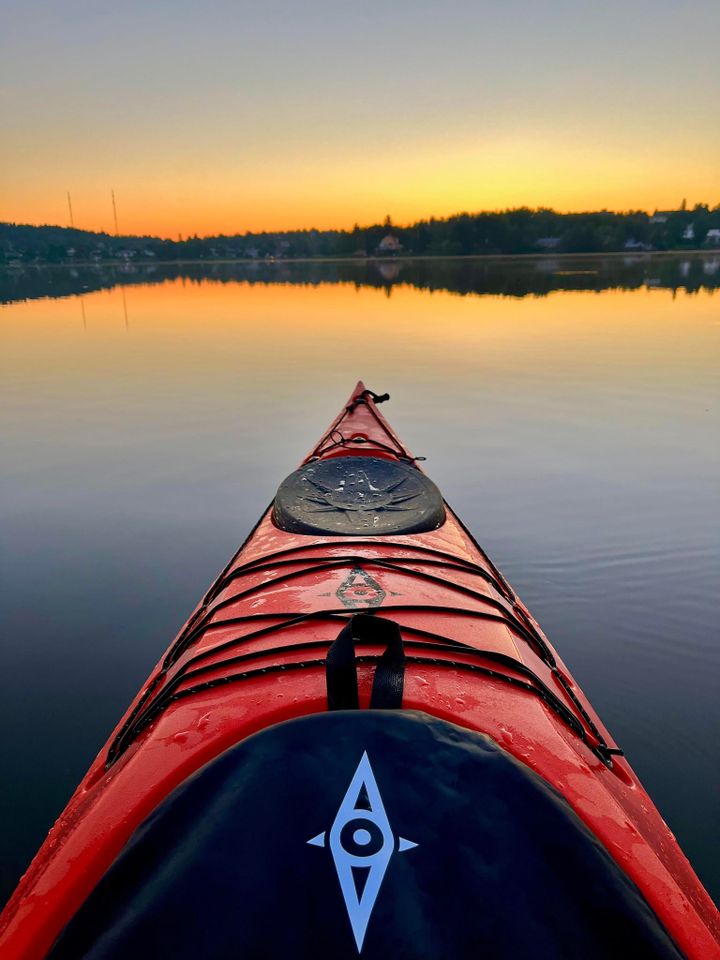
x: 256, y: 117
x: 336, y: 192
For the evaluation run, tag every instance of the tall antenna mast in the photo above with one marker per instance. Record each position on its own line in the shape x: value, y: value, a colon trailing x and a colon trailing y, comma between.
x: 117, y: 232
x: 72, y: 222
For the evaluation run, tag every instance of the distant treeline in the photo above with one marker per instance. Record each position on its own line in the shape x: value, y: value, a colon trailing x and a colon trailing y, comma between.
x: 519, y: 231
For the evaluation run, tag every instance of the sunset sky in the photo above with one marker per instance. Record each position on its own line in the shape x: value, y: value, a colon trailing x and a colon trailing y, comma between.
x: 226, y: 115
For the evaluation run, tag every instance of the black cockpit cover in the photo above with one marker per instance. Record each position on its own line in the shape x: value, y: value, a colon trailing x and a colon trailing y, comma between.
x: 383, y: 834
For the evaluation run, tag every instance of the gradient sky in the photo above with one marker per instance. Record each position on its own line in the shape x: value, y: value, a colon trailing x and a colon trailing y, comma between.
x: 227, y: 115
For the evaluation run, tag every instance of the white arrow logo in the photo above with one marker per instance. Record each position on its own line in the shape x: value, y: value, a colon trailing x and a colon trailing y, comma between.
x: 361, y: 843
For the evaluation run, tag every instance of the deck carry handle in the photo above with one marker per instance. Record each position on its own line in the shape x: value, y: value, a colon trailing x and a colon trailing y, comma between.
x: 341, y: 665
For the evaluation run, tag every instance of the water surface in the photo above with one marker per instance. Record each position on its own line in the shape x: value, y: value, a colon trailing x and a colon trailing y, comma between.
x: 569, y: 412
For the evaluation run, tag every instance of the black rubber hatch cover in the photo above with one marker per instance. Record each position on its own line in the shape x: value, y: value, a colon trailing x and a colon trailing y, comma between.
x: 356, y: 495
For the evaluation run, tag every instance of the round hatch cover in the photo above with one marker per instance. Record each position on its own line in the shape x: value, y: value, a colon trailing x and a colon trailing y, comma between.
x: 357, y: 496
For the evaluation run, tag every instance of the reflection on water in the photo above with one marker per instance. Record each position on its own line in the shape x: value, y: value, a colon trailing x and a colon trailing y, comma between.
x: 513, y: 278
x: 147, y: 424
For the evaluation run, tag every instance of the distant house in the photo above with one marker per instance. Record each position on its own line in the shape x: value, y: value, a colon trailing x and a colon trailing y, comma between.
x: 660, y: 216
x: 712, y: 237
x: 633, y: 244
x: 689, y: 232
x: 389, y: 246
x: 548, y: 243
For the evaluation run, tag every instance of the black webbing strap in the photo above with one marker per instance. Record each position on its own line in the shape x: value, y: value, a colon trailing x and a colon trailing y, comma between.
x: 341, y: 667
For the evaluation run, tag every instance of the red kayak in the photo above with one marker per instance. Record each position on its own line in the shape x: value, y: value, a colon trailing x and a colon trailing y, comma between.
x: 360, y: 743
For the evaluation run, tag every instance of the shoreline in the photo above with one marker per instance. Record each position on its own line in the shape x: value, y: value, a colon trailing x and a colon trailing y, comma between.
x: 484, y: 257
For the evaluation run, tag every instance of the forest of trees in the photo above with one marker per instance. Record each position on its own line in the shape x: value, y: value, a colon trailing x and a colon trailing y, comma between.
x: 518, y: 231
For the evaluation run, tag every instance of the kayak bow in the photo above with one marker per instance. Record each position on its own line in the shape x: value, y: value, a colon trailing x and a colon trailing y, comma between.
x: 360, y: 668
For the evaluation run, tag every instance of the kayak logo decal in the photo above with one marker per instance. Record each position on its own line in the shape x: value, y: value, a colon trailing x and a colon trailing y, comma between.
x: 358, y: 497
x: 361, y: 843
x: 359, y: 589
x: 357, y: 493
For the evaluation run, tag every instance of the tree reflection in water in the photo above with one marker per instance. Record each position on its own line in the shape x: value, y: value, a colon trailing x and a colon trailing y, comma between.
x: 509, y: 277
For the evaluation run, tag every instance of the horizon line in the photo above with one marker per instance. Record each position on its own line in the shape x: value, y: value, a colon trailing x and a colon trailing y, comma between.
x: 388, y: 222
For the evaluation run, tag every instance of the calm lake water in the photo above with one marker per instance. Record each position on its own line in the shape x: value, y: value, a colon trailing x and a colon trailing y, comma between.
x: 569, y: 412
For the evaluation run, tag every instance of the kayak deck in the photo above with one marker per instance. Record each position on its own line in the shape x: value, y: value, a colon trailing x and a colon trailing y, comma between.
x: 254, y: 652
